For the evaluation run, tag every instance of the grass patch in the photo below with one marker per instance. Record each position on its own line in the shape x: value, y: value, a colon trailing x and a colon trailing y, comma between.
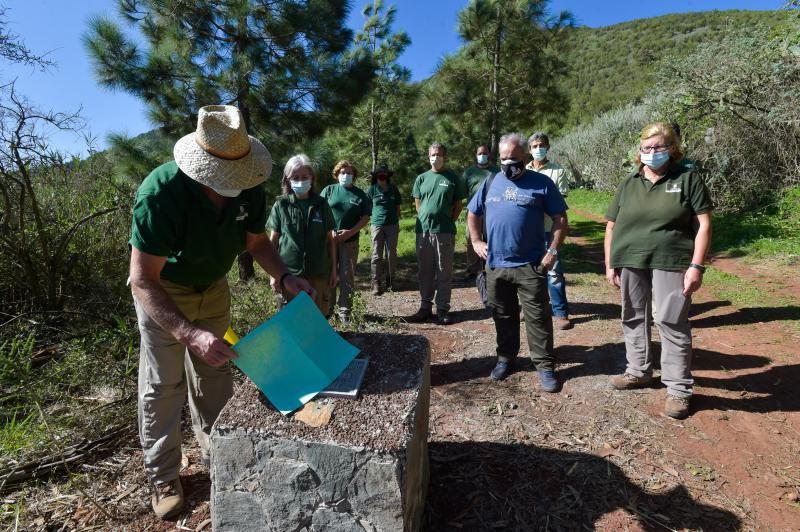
x: 594, y: 202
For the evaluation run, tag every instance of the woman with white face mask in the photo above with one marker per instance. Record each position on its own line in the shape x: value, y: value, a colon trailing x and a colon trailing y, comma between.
x: 657, y: 237
x: 351, y: 211
x: 302, y: 230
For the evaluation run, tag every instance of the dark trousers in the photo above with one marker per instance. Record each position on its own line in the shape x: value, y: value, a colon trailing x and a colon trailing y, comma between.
x: 525, y: 285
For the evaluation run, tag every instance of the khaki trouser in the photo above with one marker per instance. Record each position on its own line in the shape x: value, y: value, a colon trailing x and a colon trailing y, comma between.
x: 167, y: 369
x: 346, y: 257
x: 322, y: 299
x: 435, y: 269
x: 640, y: 287
x: 384, y: 244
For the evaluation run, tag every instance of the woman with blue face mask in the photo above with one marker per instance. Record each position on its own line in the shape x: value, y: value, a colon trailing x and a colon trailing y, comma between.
x: 351, y: 211
x: 301, y: 228
x: 657, y: 237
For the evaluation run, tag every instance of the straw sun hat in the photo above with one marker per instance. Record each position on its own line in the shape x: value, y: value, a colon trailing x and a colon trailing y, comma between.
x: 220, y: 154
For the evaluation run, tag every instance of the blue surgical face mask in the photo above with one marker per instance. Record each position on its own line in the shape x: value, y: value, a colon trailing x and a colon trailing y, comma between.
x: 346, y: 179
x: 300, y: 188
x: 483, y: 158
x: 539, y: 153
x: 654, y: 160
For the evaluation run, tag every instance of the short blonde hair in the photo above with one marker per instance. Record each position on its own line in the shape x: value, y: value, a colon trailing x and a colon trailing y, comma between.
x: 670, y: 137
x: 344, y: 163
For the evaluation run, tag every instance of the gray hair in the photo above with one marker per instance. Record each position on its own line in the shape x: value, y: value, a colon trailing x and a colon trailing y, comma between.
x: 437, y: 146
x: 296, y: 162
x: 539, y: 136
x: 516, y: 138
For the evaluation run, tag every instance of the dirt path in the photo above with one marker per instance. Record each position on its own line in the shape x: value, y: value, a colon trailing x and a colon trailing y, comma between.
x: 506, y: 457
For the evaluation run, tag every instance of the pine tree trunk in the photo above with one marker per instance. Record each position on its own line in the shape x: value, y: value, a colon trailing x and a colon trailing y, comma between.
x: 247, y: 271
x: 495, y: 104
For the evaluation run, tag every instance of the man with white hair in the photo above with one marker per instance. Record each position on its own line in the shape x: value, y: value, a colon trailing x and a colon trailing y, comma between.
x: 514, y: 203
x: 191, y: 218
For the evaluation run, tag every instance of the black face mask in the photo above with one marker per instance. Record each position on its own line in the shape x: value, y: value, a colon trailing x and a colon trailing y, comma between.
x: 513, y: 170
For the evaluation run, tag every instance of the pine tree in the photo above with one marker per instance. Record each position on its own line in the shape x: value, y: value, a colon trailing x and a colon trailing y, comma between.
x: 282, y: 62
x: 384, y: 47
x: 505, y: 76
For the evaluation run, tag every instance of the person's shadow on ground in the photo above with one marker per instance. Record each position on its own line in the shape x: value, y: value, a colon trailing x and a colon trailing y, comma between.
x: 496, y: 486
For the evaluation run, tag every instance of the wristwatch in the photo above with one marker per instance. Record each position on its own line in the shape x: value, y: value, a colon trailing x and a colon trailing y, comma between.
x: 553, y: 251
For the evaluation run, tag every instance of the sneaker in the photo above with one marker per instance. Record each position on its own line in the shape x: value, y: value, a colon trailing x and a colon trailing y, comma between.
x: 501, y: 371
x: 548, y: 381
x: 676, y: 407
x: 167, y: 498
x: 419, y: 316
x: 562, y: 323
x: 626, y: 381
x: 443, y: 317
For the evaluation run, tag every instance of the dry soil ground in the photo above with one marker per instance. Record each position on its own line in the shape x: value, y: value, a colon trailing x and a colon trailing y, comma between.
x: 506, y: 457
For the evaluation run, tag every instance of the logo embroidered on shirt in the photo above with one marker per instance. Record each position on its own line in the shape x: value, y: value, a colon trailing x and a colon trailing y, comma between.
x: 242, y: 214
x: 510, y: 194
x: 673, y: 187
x: 445, y: 184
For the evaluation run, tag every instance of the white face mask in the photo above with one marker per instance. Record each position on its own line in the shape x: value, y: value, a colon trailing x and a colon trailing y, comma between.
x: 228, y: 192
x: 483, y: 158
x: 300, y: 188
x: 539, y: 153
x: 437, y: 161
x: 654, y: 160
x: 345, y: 179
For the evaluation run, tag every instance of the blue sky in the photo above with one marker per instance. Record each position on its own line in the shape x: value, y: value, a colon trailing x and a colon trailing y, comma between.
x: 55, y: 26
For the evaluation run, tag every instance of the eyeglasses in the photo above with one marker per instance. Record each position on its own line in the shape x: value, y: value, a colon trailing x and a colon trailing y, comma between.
x: 655, y: 148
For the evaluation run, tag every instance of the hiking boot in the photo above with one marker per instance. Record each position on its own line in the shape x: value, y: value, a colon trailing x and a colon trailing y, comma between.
x: 420, y: 316
x: 676, y: 407
x: 376, y: 289
x: 626, y: 381
x: 562, y: 323
x: 501, y: 371
x: 443, y: 317
x: 548, y: 381
x: 167, y: 498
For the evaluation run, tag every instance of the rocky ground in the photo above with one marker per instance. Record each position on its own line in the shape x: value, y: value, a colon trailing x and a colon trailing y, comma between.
x: 506, y: 457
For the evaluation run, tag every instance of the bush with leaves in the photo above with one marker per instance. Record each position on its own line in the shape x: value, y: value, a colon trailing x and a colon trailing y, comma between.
x: 600, y: 154
x: 739, y: 106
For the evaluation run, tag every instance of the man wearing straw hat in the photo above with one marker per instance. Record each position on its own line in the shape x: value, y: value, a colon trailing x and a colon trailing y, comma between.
x: 191, y: 218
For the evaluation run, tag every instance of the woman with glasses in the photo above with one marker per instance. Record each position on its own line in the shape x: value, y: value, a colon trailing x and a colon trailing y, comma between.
x: 657, y: 236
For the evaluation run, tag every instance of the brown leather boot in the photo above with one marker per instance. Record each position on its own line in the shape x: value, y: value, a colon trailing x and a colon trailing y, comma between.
x: 626, y: 381
x: 676, y: 407
x: 167, y: 498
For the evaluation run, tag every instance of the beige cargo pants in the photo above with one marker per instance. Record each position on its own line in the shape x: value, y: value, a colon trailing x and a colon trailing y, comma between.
x: 167, y: 370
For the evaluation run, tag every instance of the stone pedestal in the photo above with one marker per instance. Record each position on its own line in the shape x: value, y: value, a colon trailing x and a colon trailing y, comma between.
x: 365, y: 470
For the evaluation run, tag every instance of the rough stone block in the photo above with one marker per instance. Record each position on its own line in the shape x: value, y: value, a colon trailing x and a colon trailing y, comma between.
x: 365, y: 470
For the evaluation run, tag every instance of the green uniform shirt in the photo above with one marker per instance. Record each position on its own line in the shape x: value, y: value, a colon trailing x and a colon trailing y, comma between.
x: 437, y: 192
x: 173, y: 218
x: 653, y: 221
x: 474, y: 175
x: 348, y: 205
x: 304, y: 226
x: 384, y: 204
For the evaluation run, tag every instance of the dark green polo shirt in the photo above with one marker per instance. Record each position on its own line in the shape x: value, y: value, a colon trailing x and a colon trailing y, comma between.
x: 304, y: 226
x: 348, y: 205
x: 384, y: 204
x: 474, y: 175
x: 173, y: 218
x: 653, y: 221
x: 437, y: 192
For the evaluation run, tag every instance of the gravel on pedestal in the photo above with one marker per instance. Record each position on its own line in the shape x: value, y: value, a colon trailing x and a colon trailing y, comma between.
x: 366, y: 469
